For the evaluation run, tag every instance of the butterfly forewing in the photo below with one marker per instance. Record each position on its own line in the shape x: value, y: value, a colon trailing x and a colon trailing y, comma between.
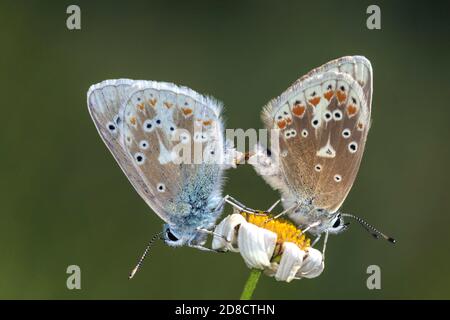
x: 171, y: 133
x: 323, y: 121
x: 358, y: 67
x: 105, y: 101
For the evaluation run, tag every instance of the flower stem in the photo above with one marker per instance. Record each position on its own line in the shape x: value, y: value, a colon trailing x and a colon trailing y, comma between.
x: 250, y: 285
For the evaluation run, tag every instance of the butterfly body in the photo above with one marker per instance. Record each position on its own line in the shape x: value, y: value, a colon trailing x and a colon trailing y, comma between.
x: 197, y: 206
x: 169, y: 142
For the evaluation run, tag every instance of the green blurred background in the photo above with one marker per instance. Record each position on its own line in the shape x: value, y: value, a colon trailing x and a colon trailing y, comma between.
x: 65, y: 201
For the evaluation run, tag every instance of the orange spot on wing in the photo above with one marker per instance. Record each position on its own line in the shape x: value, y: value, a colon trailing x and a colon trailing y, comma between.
x: 168, y: 105
x: 314, y: 101
x: 328, y: 95
x: 288, y: 120
x: 360, y: 126
x: 186, y: 111
x: 140, y: 106
x: 281, y: 124
x: 342, y: 96
x: 207, y: 122
x: 152, y: 102
x: 133, y: 120
x: 351, y: 110
x: 298, y: 110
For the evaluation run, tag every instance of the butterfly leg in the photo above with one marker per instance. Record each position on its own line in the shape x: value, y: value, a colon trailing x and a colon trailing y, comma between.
x: 293, y: 207
x: 324, y: 246
x: 202, y: 248
x: 236, y: 204
x: 317, y: 239
x: 273, y: 206
x: 212, y: 233
x: 312, y: 225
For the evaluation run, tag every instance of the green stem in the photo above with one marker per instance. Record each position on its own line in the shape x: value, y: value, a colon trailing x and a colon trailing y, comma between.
x: 250, y: 285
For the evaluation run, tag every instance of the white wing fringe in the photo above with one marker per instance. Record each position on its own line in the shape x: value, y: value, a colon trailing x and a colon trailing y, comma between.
x: 257, y: 246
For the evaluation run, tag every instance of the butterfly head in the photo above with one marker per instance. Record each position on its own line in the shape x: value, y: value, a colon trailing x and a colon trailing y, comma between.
x: 176, y: 237
x: 336, y: 224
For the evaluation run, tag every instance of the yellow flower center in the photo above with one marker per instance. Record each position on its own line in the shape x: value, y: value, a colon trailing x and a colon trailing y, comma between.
x: 285, y: 230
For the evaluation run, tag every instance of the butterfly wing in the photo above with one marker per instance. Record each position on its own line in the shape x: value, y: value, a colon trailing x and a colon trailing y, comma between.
x: 105, y: 103
x: 174, y: 137
x: 323, y: 120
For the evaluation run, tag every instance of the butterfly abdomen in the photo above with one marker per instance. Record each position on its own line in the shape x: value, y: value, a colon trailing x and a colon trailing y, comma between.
x: 195, y: 205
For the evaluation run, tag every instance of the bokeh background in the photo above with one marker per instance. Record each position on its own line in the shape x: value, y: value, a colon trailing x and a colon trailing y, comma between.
x: 63, y: 199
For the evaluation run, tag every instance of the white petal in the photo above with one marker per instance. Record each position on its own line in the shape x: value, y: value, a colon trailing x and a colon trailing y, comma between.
x: 256, y: 245
x: 272, y: 270
x: 225, y: 233
x: 290, y: 263
x: 313, y: 264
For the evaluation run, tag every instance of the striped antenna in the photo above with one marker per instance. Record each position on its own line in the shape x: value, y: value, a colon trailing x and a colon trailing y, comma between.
x: 150, y: 244
x: 374, y: 232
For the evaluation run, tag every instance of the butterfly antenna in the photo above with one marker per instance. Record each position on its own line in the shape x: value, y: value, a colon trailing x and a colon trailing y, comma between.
x: 150, y: 244
x: 372, y: 230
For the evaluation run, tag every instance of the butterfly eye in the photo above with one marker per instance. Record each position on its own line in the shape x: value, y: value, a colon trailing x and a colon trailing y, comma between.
x: 171, y: 236
x: 337, y: 223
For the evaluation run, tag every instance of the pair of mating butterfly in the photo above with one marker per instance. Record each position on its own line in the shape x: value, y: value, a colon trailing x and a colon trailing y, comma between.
x: 155, y: 131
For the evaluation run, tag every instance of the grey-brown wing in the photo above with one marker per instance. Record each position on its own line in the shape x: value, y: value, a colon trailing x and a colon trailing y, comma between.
x: 105, y: 103
x: 357, y: 67
x: 175, y: 138
x: 323, y: 121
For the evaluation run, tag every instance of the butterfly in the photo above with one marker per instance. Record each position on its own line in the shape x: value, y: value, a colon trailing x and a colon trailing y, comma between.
x: 169, y: 142
x: 322, y: 122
